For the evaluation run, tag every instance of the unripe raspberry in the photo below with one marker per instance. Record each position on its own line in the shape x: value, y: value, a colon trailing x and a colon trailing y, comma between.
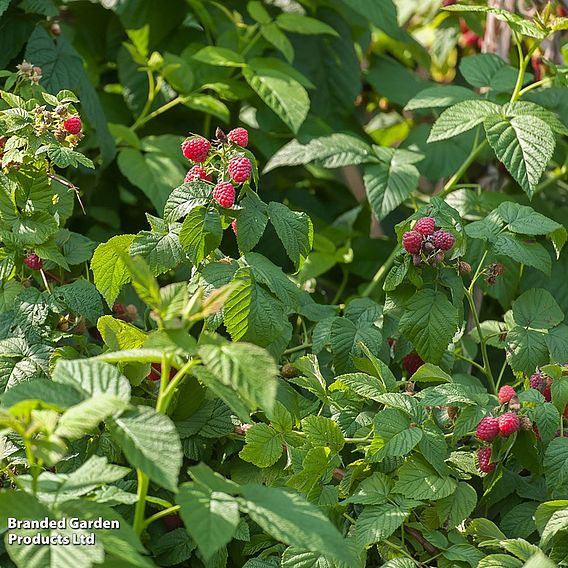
x: 288, y: 371
x: 426, y: 226
x: 338, y: 474
x: 464, y: 267
x: 484, y: 460
x: 538, y: 381
x: 508, y: 424
x: 196, y: 173
x: 525, y: 423
x: 411, y: 363
x: 234, y: 226
x: 240, y: 169
x: 412, y: 242
x: 487, y: 429
x: 196, y: 149
x: 443, y: 240
x: 239, y: 136
x: 224, y: 194
x: 506, y: 393
x: 73, y: 125
x: 33, y: 261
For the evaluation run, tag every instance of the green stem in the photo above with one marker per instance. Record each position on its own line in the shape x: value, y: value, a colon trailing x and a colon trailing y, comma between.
x: 251, y: 43
x: 535, y: 85
x: 161, y: 514
x: 524, y: 60
x: 149, y: 100
x: 470, y: 361
x: 503, y: 367
x: 143, y: 483
x: 381, y: 273
x: 452, y: 182
x: 342, y: 286
x: 166, y: 398
x: 297, y: 348
x: 31, y: 463
x: 167, y: 106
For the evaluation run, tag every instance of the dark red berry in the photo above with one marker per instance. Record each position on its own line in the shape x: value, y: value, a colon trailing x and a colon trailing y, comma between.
x: 239, y: 136
x: 240, y: 169
x: 172, y: 522
x: 425, y: 226
x: 484, y: 460
x: 224, y: 194
x: 73, y: 125
x: 506, y: 393
x: 33, y: 261
x: 538, y: 381
x: 411, y: 363
x: 508, y: 424
x: 443, y: 240
x: 412, y: 242
x: 487, y: 429
x: 196, y: 149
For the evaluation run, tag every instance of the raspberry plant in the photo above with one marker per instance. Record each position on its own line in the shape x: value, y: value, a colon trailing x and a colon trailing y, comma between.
x: 249, y: 380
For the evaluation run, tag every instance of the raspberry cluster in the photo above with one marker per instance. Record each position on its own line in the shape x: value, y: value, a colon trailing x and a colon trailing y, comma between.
x: 221, y: 158
x: 426, y: 243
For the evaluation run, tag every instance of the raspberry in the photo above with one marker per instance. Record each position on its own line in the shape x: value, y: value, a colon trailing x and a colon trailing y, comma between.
x: 426, y: 226
x: 508, y: 424
x: 240, y: 169
x: 224, y: 194
x: 172, y: 522
x: 73, y: 125
x: 33, y: 261
x: 506, y: 393
x: 525, y: 423
x: 411, y: 363
x: 155, y: 373
x: 196, y: 173
x: 566, y: 412
x: 196, y: 149
x: 546, y: 394
x: 484, y: 460
x: 239, y: 136
x: 487, y: 429
x: 234, y: 226
x: 443, y: 240
x: 537, y: 381
x: 412, y: 242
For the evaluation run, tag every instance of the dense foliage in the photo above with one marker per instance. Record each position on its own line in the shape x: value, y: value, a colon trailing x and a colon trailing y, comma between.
x: 283, y: 284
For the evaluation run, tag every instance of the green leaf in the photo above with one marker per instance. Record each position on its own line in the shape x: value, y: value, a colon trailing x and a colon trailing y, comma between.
x: 160, y: 249
x: 373, y: 490
x: 522, y: 108
x: 263, y: 446
x: 322, y: 431
x: 92, y: 378
x: 377, y: 522
x: 41, y: 393
x: 280, y: 92
x: 291, y: 519
x: 429, y: 322
x: 220, y: 56
x: 499, y: 561
x: 273, y: 35
x: 537, y: 309
x: 417, y: 479
x: 525, y: 220
x: 201, y: 233
x: 529, y: 253
x: 460, y: 118
x: 364, y: 385
x: 382, y: 14
x: 299, y: 24
x: 82, y: 298
x: 480, y: 70
x: 150, y: 442
x: 440, y: 97
x: 458, y: 507
x: 109, y: 270
x: 185, y: 197
x: 556, y: 460
x: 524, y: 144
x: 547, y: 419
x: 526, y: 349
x: 87, y: 415
x: 390, y: 183
x: 239, y: 305
x: 251, y: 222
x: 519, y: 521
x: 296, y: 558
x: 211, y: 517
x: 90, y: 474
x: 429, y: 373
x: 294, y: 229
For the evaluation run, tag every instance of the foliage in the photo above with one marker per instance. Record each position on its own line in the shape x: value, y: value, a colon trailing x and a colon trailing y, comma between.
x: 230, y: 364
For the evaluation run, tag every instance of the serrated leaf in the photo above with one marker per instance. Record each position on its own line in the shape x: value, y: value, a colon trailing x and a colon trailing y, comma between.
x: 525, y: 220
x: 251, y: 222
x: 429, y: 322
x: 201, y: 233
x: 185, y: 197
x: 377, y: 522
x: 82, y: 298
x: 417, y: 479
x: 524, y: 144
x: 294, y: 229
x: 536, y: 308
x: 322, y: 431
x: 460, y: 118
x: 526, y: 349
x: 440, y: 97
x: 263, y: 446
x: 519, y: 250
x: 160, y: 249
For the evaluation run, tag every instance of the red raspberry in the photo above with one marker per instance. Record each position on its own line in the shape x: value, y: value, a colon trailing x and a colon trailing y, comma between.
x: 443, y: 240
x: 234, y: 226
x: 224, y: 194
x: 172, y: 522
x: 155, y: 373
x: 546, y: 393
x: 426, y: 226
x: 506, y: 393
x: 33, y: 261
x: 508, y: 424
x: 412, y: 242
x: 536, y: 432
x: 240, y: 169
x: 566, y: 412
x: 239, y: 136
x: 196, y: 173
x: 411, y: 363
x: 73, y: 125
x: 487, y: 429
x: 484, y: 460
x: 196, y: 149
